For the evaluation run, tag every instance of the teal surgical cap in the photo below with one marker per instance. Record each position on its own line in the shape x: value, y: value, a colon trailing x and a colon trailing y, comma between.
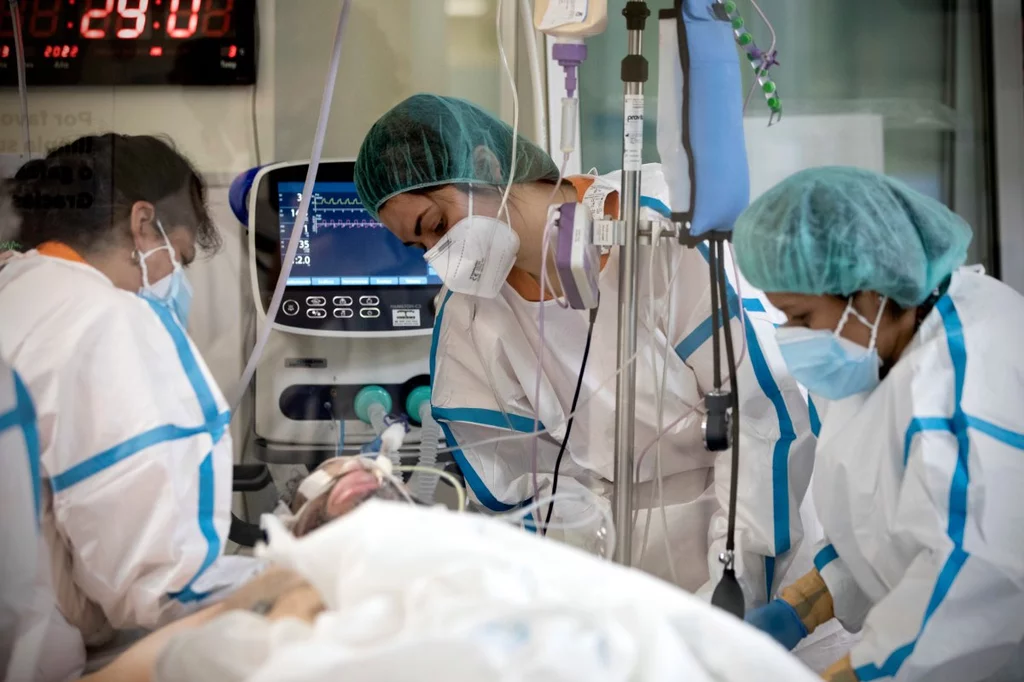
x: 429, y: 141
x: 838, y: 230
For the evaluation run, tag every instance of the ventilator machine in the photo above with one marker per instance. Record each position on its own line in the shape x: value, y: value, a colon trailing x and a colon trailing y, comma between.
x: 348, y: 356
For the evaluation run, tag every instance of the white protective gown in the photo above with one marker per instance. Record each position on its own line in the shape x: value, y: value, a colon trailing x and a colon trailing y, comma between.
x: 136, y: 459
x: 918, y: 486
x: 484, y: 367
x: 36, y: 643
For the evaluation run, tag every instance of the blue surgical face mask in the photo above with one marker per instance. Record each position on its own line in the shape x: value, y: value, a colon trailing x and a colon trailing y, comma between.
x: 829, y: 365
x: 172, y: 291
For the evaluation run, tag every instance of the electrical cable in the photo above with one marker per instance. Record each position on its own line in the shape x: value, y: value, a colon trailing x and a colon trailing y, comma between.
x: 715, y: 310
x: 739, y: 361
x: 569, y: 422
x: 734, y: 422
x: 539, y: 432
x: 535, y: 445
x: 728, y: 593
x: 545, y: 287
x: 252, y: 103
x: 19, y: 56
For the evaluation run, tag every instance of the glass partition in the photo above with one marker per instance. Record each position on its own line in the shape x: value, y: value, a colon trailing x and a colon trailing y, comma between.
x: 392, y: 50
x: 919, y: 68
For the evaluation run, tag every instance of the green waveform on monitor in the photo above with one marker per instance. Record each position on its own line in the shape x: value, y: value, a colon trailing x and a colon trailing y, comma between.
x: 340, y: 201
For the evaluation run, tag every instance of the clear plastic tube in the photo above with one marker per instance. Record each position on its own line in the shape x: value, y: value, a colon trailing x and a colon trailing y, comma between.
x: 519, y: 515
x: 544, y: 287
x: 537, y: 431
x: 570, y: 106
x: 19, y: 58
x: 452, y: 481
x: 424, y: 482
x: 377, y: 415
x: 300, y: 218
x: 515, y: 113
x: 540, y: 112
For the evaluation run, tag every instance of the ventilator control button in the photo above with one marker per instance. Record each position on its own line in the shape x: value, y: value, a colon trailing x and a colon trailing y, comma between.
x: 316, y: 301
x: 290, y: 307
x: 343, y: 313
x: 343, y: 301
x: 369, y: 300
x: 369, y: 313
x: 316, y: 313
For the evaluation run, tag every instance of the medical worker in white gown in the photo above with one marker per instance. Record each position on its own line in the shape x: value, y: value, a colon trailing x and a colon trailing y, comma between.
x: 36, y: 642
x: 915, y: 366
x: 136, y: 459
x: 433, y: 170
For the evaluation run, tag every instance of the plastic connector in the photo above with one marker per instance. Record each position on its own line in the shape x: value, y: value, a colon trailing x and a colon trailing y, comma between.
x: 392, y: 438
x: 419, y: 397
x: 569, y: 56
x: 368, y: 396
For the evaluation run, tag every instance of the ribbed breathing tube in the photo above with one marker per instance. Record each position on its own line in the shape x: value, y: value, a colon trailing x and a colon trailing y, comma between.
x: 423, y: 484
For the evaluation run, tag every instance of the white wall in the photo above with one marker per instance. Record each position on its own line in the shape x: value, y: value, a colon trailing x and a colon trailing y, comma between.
x: 392, y: 49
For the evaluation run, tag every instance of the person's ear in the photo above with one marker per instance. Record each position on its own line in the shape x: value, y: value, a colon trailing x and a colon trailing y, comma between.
x: 142, y: 223
x: 867, y: 302
x: 486, y: 167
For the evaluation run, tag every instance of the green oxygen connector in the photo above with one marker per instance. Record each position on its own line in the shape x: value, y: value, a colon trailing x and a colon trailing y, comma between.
x: 366, y: 401
x: 416, y: 401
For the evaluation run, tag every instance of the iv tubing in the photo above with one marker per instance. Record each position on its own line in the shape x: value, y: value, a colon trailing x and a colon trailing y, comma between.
x: 518, y: 515
x: 540, y: 116
x: 300, y: 219
x: 19, y: 53
x: 515, y: 113
x: 452, y: 481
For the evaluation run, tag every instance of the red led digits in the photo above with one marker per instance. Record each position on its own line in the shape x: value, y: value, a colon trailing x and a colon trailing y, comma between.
x: 124, y: 19
x: 54, y: 52
x: 6, y: 21
x: 96, y: 20
x: 40, y: 19
x: 217, y: 21
x: 43, y: 19
x: 174, y: 18
x: 132, y: 19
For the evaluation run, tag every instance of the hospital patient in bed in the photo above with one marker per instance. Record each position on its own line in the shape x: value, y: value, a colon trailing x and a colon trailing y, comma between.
x: 388, y: 591
x: 393, y: 591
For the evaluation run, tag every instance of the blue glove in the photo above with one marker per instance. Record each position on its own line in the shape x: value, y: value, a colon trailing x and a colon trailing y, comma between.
x: 780, y: 620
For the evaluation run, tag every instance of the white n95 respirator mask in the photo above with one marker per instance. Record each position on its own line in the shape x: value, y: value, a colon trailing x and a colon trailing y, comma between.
x: 476, y: 255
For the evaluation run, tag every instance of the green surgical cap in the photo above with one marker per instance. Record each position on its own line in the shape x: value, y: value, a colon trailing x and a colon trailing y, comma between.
x: 838, y: 230
x: 429, y: 141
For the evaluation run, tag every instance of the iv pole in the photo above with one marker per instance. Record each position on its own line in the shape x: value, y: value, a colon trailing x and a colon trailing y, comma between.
x: 634, y: 76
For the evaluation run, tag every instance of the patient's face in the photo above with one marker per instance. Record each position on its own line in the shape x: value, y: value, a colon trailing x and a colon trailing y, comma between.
x: 355, y: 486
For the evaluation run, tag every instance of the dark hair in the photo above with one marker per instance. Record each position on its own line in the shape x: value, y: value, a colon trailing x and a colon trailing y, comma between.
x: 82, y: 193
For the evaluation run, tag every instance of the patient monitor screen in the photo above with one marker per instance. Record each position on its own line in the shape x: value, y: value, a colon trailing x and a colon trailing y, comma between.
x: 342, y: 245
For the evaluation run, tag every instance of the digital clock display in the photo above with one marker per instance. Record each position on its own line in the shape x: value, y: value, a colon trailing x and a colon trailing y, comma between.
x: 131, y: 42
